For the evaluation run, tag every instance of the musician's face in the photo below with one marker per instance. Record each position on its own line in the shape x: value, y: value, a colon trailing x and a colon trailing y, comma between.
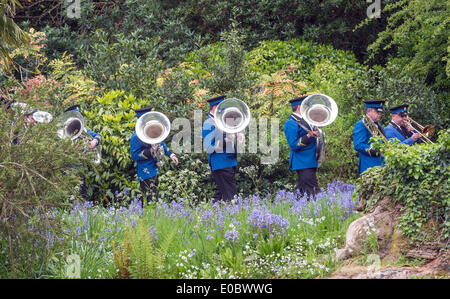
x: 374, y: 114
x: 399, y: 119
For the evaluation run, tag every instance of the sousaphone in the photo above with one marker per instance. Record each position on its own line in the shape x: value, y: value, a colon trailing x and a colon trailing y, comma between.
x: 152, y: 128
x: 319, y: 110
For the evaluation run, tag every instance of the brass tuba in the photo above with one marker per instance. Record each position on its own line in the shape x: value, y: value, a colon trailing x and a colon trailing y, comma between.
x: 232, y: 115
x: 319, y: 110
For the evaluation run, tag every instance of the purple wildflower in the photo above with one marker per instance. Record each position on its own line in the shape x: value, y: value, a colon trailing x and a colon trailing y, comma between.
x: 266, y: 221
x: 232, y: 236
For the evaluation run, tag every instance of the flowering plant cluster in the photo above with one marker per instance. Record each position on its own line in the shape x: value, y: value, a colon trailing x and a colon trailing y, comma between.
x: 281, y: 235
x: 266, y: 221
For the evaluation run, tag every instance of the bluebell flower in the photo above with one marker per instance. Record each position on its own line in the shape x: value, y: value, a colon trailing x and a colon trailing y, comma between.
x: 232, y: 236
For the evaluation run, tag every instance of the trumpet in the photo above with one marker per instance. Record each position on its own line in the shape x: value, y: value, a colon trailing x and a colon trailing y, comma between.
x: 425, y: 131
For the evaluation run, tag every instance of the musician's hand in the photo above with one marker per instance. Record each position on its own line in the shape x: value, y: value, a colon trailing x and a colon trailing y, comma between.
x: 93, y: 143
x: 174, y: 159
x: 409, y: 128
x: 374, y: 152
x: 415, y: 136
x: 313, y: 134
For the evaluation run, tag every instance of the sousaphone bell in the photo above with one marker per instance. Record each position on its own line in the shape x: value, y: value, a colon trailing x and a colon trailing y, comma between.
x: 152, y: 127
x: 232, y: 115
x: 71, y: 125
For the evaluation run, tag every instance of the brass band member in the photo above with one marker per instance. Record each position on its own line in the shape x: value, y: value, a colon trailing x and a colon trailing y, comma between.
x: 368, y: 156
x: 147, y: 157
x: 93, y: 142
x: 302, y: 139
x: 398, y: 128
x: 222, y: 154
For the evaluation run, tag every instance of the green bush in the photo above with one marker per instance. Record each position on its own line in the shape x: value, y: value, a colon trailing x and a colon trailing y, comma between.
x: 191, y: 180
x: 417, y: 178
x: 119, y: 61
x: 417, y: 34
x: 35, y: 177
x: 112, y: 116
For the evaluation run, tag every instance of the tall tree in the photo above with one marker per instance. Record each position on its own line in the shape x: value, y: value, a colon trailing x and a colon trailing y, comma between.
x: 418, y: 38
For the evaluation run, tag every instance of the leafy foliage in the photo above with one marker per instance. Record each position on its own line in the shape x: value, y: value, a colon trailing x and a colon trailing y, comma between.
x: 139, y: 257
x: 221, y: 68
x: 122, y: 62
x: 10, y: 34
x: 35, y: 177
x: 192, y: 181
x: 418, y: 37
x: 112, y: 116
x: 417, y: 177
x: 51, y: 85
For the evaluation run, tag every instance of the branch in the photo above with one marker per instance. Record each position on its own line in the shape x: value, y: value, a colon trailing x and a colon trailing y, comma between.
x: 27, y: 168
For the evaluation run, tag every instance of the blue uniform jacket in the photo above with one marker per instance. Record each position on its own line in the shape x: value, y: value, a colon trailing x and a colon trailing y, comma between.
x: 393, y: 134
x: 361, y: 144
x: 303, y: 149
x: 146, y: 166
x: 213, y: 142
x: 93, y: 134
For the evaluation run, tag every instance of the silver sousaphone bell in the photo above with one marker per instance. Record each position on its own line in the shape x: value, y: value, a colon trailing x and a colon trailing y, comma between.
x: 319, y: 110
x: 232, y: 115
x: 21, y: 108
x: 39, y: 116
x: 71, y: 125
x: 42, y: 117
x: 152, y: 127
